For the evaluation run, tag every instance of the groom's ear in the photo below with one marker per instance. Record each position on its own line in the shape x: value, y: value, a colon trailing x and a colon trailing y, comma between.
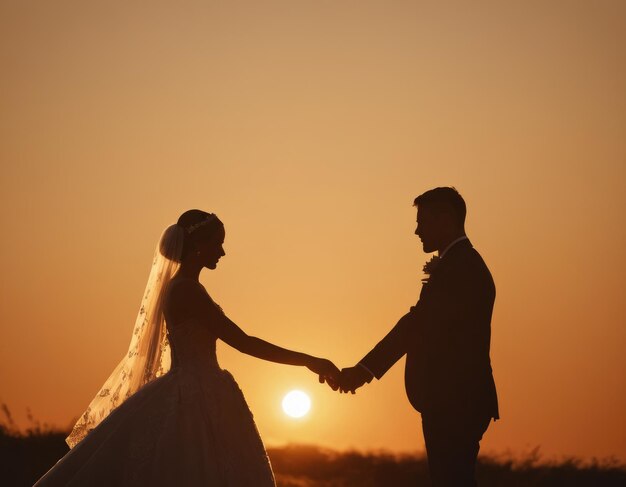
x: 447, y: 218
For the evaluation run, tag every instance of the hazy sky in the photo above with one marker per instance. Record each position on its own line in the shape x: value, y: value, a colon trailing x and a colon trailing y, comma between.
x: 309, y: 127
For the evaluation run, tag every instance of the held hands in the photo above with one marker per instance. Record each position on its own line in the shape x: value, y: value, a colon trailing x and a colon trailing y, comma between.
x: 348, y: 380
x: 353, y: 377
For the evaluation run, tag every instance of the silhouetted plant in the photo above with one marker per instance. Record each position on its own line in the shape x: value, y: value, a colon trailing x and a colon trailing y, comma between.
x: 26, y: 455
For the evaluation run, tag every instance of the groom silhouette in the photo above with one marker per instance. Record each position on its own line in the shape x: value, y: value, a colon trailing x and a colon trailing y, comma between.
x: 446, y: 338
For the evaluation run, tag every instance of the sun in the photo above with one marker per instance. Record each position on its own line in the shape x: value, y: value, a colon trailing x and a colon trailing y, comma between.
x: 296, y: 404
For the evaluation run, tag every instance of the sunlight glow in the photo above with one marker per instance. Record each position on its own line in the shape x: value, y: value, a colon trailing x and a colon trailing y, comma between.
x: 296, y: 404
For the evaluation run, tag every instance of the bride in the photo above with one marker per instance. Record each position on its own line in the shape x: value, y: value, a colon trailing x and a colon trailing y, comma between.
x: 168, y: 414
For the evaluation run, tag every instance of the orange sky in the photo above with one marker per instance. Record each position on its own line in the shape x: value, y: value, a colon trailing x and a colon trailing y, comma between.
x: 309, y: 127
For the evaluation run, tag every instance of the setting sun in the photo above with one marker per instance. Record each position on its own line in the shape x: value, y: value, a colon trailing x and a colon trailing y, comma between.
x: 296, y: 404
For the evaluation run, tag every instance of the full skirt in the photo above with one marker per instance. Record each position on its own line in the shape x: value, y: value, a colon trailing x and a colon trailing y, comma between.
x: 186, y: 428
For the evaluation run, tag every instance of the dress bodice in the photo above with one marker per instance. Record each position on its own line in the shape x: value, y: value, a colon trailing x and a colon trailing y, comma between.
x: 192, y: 344
x: 192, y: 339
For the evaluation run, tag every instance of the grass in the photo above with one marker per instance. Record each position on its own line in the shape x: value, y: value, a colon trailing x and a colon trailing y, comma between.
x: 26, y: 455
x: 309, y: 466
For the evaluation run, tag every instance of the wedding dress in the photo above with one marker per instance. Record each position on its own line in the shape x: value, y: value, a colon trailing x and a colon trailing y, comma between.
x: 190, y: 426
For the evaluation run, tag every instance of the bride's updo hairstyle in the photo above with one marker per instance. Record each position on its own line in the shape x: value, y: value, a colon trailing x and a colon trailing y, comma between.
x: 198, y: 226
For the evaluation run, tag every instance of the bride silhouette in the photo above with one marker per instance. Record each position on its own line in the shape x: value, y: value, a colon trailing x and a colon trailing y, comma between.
x: 168, y: 414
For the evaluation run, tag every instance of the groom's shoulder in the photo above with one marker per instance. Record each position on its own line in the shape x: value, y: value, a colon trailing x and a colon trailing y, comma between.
x: 470, y: 262
x: 464, y: 254
x: 469, y: 253
x: 481, y: 269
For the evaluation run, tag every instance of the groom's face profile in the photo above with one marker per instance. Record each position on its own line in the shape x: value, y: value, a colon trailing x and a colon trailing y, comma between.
x: 428, y: 229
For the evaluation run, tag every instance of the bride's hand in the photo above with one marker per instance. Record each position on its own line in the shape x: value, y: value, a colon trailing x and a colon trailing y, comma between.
x: 323, y: 367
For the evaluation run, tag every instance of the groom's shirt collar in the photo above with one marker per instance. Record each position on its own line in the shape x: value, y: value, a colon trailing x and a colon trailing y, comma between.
x: 452, y: 244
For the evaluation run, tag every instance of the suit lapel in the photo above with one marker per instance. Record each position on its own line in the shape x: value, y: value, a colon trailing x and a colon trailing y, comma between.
x: 435, y: 279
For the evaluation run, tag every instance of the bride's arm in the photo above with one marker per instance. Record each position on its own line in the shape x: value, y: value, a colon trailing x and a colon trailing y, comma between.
x: 230, y: 333
x: 192, y: 297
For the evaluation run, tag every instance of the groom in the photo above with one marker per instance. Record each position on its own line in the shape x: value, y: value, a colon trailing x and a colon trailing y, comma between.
x: 445, y: 337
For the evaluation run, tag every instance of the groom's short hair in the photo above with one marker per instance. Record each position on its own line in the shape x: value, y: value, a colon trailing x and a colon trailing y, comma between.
x: 443, y: 199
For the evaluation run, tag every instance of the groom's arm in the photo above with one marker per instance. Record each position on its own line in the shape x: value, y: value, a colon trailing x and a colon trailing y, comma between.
x: 395, y: 344
x: 388, y: 351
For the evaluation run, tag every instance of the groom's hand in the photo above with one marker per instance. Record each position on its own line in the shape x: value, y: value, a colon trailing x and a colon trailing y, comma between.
x: 353, y: 377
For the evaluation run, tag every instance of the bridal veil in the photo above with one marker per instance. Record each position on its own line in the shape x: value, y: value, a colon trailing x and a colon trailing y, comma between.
x: 148, y: 355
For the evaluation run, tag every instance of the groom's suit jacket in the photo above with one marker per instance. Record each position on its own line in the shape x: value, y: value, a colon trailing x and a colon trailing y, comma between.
x: 446, y: 338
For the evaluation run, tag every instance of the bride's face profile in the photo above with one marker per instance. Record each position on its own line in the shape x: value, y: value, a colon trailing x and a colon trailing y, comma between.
x: 212, y: 250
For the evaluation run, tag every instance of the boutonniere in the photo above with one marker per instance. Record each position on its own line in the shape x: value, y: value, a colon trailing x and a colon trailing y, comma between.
x: 430, y: 267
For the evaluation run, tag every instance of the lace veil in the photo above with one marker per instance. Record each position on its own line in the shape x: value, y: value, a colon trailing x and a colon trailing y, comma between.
x: 148, y: 355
